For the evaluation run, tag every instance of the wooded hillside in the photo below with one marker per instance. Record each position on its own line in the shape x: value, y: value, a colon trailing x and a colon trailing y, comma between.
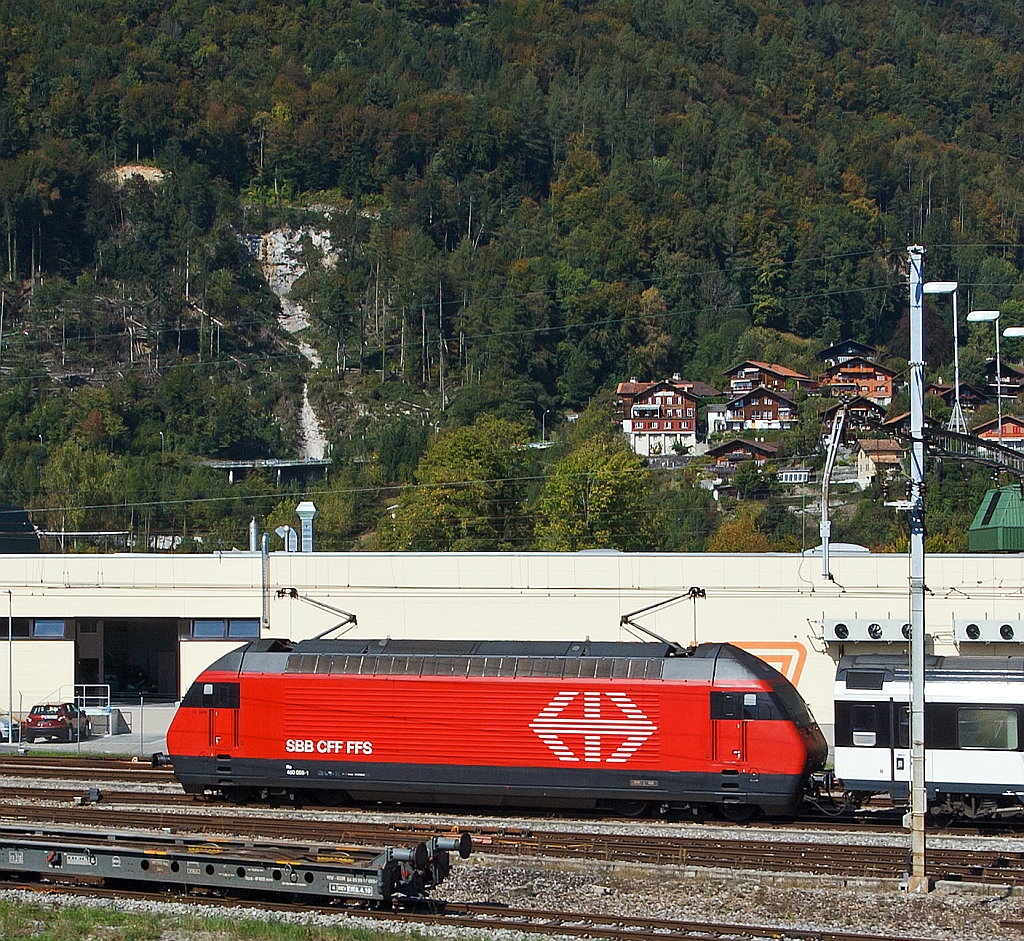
x: 529, y: 202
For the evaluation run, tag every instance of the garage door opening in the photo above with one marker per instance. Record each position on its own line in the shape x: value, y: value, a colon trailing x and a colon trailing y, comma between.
x: 135, y: 658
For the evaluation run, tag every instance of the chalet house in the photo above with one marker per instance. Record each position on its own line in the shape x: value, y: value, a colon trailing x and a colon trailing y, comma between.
x: 859, y: 376
x: 877, y: 456
x: 970, y: 396
x: 763, y: 409
x: 1012, y: 379
x: 845, y: 350
x: 730, y: 455
x: 659, y: 418
x: 899, y: 425
x: 862, y: 415
x: 1013, y: 432
x: 752, y: 374
x: 716, y: 418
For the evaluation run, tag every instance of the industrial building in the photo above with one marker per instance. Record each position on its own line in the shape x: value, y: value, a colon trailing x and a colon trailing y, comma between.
x: 145, y: 625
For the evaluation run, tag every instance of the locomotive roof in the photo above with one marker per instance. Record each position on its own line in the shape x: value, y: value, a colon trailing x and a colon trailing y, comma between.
x: 346, y: 655
x: 890, y: 667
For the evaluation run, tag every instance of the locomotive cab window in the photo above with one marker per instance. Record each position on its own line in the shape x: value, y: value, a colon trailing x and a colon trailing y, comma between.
x: 734, y: 706
x: 213, y: 696
x: 994, y: 729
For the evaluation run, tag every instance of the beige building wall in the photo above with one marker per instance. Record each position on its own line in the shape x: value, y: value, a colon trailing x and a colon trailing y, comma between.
x: 772, y: 603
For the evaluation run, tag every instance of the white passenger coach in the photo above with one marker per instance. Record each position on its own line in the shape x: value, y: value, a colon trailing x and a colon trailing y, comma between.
x: 974, y: 720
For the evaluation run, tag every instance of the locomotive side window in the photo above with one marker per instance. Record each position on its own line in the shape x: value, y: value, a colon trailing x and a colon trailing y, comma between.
x: 862, y: 718
x: 994, y: 729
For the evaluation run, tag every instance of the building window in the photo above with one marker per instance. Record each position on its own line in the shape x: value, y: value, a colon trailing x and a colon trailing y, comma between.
x: 49, y: 628
x: 243, y: 627
x: 43, y: 628
x: 221, y: 628
x: 654, y: 424
x: 689, y: 413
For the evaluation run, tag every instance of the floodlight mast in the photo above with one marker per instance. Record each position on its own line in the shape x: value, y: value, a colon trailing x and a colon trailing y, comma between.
x: 917, y: 879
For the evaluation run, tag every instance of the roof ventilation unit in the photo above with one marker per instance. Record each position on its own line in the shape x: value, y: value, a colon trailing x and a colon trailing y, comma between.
x: 989, y: 631
x: 865, y: 630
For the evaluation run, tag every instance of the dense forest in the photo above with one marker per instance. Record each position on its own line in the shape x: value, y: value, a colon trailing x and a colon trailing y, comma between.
x: 527, y: 202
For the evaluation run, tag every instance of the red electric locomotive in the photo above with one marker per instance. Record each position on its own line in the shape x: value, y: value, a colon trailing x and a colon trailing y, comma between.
x: 629, y: 726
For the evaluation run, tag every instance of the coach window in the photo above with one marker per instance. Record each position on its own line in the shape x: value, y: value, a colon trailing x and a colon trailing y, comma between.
x: 862, y: 719
x: 994, y: 729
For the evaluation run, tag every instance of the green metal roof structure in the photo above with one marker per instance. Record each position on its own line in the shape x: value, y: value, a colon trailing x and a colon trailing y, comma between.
x: 999, y: 523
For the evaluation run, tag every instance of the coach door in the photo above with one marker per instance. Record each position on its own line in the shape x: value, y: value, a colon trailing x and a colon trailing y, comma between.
x: 899, y: 752
x: 222, y: 701
x: 729, y: 712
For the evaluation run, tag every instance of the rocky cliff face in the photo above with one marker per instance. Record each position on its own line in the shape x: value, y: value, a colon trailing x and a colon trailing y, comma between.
x: 280, y: 257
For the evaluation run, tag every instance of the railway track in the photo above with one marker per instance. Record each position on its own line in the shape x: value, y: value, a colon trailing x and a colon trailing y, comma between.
x: 180, y: 813
x: 542, y: 922
x: 833, y: 859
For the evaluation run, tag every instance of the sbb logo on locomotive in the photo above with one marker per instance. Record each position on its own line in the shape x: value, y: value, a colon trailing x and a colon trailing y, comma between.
x: 626, y: 724
x: 328, y: 746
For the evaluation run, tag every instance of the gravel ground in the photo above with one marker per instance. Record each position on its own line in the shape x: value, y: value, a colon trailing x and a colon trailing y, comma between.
x: 656, y: 892
x: 701, y: 895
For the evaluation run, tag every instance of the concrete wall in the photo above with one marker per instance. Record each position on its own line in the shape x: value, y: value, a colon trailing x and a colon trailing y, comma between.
x: 770, y: 603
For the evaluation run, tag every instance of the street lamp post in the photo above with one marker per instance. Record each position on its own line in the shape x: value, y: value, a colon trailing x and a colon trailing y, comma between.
x: 956, y: 420
x: 985, y: 316
x: 544, y: 425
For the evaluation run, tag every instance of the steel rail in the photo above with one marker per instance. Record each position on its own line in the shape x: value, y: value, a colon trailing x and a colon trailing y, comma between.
x: 494, y: 917
x: 833, y: 859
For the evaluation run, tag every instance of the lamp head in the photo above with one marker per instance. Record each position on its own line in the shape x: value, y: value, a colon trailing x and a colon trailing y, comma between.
x: 1012, y: 333
x: 939, y: 287
x: 982, y: 316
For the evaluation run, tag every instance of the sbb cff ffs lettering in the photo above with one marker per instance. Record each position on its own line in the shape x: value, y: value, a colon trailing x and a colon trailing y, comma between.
x: 328, y: 747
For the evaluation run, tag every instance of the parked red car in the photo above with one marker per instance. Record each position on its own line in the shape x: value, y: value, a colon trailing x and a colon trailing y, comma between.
x: 63, y: 722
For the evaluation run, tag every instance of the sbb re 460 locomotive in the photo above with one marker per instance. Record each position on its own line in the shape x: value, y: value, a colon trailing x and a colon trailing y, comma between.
x: 627, y: 726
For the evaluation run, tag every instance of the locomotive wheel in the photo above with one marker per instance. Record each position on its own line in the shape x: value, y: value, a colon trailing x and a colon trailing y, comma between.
x: 239, y: 795
x: 631, y: 808
x: 326, y: 798
x: 738, y: 813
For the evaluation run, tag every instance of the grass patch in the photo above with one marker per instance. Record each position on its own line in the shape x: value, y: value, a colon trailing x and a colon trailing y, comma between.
x: 70, y: 922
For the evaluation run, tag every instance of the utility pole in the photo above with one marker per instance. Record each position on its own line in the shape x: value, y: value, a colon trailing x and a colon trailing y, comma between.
x: 917, y: 879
